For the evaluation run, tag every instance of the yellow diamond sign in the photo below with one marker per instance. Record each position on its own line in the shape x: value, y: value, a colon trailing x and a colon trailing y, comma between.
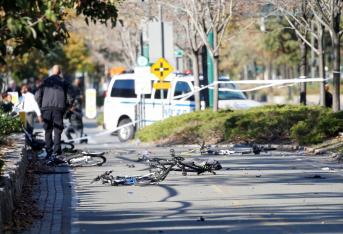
x: 161, y: 69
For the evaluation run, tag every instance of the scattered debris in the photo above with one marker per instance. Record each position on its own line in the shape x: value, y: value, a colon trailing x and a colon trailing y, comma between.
x: 328, y: 169
x: 315, y: 177
x: 337, y: 156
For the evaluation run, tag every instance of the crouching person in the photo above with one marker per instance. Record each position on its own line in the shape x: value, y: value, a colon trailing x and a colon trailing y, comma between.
x: 75, y: 125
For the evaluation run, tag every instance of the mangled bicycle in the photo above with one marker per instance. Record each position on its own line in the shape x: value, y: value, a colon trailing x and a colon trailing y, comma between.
x: 240, y: 149
x: 151, y: 178
x: 178, y: 163
x: 74, y: 157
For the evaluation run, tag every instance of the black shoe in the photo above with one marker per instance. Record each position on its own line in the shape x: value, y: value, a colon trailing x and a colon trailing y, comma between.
x: 48, y: 154
x: 58, y: 160
x: 51, y: 163
x: 85, y: 140
x: 54, y: 161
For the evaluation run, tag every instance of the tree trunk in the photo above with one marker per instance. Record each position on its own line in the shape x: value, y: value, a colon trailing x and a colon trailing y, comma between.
x: 303, y: 71
x: 195, y: 65
x: 215, y: 80
x: 215, y: 71
x: 313, y: 55
x: 336, y: 104
x: 321, y: 63
x: 336, y: 73
x: 205, y: 92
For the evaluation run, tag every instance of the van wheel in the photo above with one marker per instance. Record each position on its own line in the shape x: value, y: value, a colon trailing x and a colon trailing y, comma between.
x: 126, y: 133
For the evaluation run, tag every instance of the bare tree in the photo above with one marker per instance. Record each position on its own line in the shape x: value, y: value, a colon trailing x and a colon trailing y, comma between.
x: 328, y: 13
x: 114, y: 46
x: 300, y: 18
x: 193, y: 45
x: 210, y: 16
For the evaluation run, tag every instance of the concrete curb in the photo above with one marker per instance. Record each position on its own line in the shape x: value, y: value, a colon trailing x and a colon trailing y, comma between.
x: 12, y: 179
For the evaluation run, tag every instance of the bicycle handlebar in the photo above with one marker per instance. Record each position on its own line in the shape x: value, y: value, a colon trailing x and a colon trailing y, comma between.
x: 99, y: 177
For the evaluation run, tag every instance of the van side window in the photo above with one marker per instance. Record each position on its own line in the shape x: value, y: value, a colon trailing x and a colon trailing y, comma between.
x: 158, y: 94
x: 124, y: 89
x: 181, y: 88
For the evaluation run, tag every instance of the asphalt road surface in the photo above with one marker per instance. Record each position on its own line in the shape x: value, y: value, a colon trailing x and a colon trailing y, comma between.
x: 270, y: 193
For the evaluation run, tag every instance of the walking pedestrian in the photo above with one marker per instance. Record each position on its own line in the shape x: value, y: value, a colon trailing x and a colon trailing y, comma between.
x: 28, y: 104
x: 54, y: 97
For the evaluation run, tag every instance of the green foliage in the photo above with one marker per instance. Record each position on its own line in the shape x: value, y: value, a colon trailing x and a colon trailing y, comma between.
x: 191, y: 127
x: 41, y: 23
x: 77, y: 55
x: 302, y: 124
x: 277, y: 46
x: 267, y: 124
x: 281, y: 42
x: 8, y: 125
x: 314, y: 131
x: 73, y: 56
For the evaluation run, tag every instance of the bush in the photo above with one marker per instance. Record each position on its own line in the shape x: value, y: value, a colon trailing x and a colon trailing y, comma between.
x: 311, y: 132
x: 187, y: 128
x: 267, y: 124
x: 8, y: 125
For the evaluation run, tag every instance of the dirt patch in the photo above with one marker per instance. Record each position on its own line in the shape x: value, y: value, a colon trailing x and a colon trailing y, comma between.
x: 6, y: 145
x: 26, y: 209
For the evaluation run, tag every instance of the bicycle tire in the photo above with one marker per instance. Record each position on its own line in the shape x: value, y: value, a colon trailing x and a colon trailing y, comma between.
x: 86, y: 160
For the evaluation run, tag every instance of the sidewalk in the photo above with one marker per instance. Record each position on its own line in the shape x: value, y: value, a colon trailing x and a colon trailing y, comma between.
x: 53, y: 194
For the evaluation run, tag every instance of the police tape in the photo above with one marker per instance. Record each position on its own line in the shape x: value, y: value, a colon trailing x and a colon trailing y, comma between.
x: 103, y: 133
x: 182, y: 97
x: 263, y: 84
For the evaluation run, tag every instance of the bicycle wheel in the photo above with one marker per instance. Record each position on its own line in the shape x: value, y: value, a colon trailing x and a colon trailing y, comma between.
x: 86, y: 160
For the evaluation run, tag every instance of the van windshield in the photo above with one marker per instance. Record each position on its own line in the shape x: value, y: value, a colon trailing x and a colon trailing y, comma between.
x: 229, y: 95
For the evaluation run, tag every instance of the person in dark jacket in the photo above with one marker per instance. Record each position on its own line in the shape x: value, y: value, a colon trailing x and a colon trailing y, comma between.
x: 328, y: 96
x: 54, y: 97
x: 6, y: 104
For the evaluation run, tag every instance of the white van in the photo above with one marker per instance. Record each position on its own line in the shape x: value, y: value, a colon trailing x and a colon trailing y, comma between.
x: 121, y: 101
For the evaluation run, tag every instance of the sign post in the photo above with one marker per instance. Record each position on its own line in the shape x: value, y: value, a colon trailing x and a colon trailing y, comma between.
x: 161, y: 69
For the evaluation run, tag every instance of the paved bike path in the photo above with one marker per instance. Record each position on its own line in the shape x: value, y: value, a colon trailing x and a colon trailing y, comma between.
x: 252, y: 194
x: 53, y: 193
